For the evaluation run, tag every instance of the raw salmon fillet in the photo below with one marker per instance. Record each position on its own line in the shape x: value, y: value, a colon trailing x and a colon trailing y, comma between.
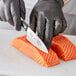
x: 64, y: 48
x: 47, y: 60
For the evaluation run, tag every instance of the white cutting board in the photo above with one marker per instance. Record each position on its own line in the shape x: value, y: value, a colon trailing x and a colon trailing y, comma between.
x: 14, y: 63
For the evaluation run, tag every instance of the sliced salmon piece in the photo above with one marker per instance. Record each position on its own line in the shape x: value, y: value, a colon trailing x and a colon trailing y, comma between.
x: 47, y: 60
x: 64, y: 48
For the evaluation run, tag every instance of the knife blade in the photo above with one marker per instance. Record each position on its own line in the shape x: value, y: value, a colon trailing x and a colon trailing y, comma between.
x: 34, y: 39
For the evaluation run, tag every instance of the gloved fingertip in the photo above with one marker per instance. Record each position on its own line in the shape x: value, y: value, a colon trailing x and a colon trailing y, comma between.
x: 18, y: 28
x: 64, y: 26
x: 0, y: 19
x: 48, y: 44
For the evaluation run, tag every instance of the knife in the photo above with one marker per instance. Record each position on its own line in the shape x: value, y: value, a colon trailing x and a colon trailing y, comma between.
x: 33, y: 38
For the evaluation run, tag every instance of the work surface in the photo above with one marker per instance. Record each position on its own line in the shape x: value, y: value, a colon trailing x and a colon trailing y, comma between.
x: 14, y: 63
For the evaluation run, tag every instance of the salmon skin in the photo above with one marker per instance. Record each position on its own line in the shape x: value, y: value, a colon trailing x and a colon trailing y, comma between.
x: 47, y: 60
x: 64, y: 48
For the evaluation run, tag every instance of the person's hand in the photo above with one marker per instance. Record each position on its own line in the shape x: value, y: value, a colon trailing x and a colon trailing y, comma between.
x: 12, y: 11
x: 47, y: 20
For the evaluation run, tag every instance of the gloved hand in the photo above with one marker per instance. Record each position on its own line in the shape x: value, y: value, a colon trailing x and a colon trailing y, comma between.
x: 47, y: 20
x: 12, y: 11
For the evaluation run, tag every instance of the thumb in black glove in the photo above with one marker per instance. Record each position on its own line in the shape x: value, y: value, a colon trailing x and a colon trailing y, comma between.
x: 12, y: 11
x: 47, y: 20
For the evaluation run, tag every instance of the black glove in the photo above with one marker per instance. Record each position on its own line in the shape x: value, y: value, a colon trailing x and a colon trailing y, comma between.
x: 47, y: 19
x: 12, y: 11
